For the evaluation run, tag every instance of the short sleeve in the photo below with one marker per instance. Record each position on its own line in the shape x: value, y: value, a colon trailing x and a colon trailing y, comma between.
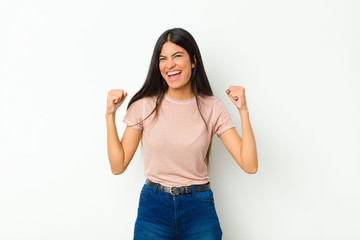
x: 222, y: 119
x: 134, y: 115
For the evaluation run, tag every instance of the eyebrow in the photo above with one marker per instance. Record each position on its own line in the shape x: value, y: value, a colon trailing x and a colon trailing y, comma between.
x: 173, y: 54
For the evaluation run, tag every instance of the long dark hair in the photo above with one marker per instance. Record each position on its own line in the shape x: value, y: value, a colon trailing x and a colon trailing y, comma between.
x: 155, y: 85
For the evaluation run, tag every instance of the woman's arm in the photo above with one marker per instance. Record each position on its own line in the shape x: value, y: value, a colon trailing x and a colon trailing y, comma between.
x: 121, y: 152
x: 242, y: 149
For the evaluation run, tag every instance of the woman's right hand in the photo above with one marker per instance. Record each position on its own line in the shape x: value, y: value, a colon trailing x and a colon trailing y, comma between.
x: 114, y: 100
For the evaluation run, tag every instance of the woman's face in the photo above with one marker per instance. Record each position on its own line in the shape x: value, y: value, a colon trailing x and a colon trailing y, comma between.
x: 175, y: 66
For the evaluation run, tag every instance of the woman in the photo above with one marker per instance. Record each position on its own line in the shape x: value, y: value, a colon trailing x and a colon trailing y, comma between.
x: 175, y: 115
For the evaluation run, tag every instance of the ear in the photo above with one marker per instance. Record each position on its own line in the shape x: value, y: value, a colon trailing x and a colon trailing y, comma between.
x: 194, y: 63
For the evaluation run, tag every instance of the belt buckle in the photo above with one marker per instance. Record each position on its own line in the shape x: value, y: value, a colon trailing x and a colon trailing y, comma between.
x: 174, y: 194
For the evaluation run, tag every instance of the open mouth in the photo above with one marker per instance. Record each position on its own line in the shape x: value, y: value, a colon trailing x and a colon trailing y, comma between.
x: 174, y: 75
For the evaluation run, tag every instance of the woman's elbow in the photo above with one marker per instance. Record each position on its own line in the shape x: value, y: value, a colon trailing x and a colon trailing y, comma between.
x: 249, y: 167
x: 251, y: 171
x: 117, y: 171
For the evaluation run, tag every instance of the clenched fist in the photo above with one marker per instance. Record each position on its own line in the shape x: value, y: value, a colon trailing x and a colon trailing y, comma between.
x: 114, y: 100
x: 237, y: 96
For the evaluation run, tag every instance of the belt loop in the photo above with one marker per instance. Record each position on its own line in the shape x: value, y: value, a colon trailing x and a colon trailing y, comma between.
x: 157, y: 184
x: 193, y: 189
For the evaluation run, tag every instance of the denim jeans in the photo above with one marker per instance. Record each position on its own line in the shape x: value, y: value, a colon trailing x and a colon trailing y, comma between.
x: 184, y: 217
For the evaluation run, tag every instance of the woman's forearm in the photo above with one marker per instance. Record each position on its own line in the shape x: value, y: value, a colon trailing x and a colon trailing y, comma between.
x: 114, y: 146
x: 248, y: 147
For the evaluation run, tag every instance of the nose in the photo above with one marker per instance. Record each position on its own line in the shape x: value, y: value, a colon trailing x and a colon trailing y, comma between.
x: 170, y: 63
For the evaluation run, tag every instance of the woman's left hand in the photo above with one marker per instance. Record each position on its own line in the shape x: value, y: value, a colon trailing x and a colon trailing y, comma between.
x: 237, y: 96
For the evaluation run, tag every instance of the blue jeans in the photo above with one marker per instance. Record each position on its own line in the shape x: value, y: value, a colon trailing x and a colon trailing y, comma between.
x: 184, y: 217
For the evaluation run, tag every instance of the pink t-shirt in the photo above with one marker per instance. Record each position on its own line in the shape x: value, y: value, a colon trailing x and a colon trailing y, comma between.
x: 174, y: 146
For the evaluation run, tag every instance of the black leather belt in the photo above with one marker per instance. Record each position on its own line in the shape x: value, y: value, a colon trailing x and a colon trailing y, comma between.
x: 175, y: 191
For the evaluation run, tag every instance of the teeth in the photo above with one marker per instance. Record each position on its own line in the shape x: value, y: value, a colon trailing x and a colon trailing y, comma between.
x: 173, y: 73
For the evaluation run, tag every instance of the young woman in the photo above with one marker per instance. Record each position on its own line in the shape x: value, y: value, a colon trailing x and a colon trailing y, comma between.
x: 175, y: 115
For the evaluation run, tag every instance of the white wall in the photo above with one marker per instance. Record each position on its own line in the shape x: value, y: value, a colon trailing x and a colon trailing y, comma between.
x: 298, y: 60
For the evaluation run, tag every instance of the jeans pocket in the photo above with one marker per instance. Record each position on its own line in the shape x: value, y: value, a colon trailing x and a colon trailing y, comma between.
x: 206, y: 196
x: 146, y: 193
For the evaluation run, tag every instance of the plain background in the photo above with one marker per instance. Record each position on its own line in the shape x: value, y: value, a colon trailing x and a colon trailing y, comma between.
x: 298, y: 60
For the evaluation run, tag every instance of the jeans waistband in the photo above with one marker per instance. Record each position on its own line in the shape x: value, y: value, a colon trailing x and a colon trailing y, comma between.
x: 178, y: 190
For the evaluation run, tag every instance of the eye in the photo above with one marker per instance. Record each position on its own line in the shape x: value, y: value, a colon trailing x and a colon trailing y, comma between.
x: 161, y: 59
x: 178, y: 55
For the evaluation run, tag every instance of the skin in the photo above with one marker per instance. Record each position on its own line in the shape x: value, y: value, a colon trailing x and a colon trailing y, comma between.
x: 175, y: 58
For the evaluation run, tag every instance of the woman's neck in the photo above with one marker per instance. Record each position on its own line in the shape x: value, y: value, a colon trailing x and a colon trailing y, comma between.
x: 180, y: 94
